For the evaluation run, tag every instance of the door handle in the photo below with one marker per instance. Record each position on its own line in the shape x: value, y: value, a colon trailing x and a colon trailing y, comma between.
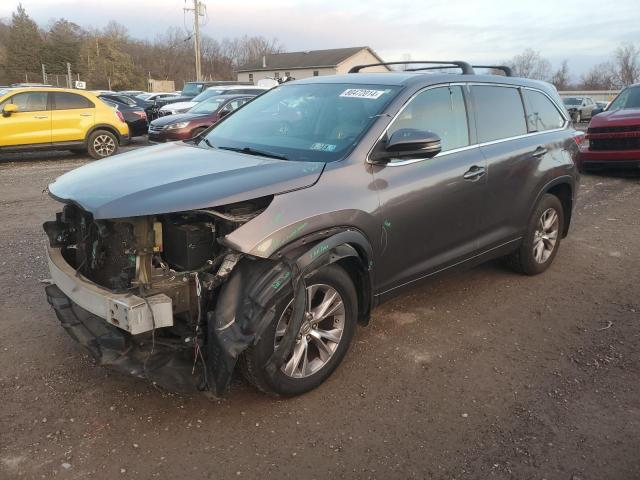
x: 86, y: 114
x: 474, y: 173
x: 539, y: 152
x: 41, y: 116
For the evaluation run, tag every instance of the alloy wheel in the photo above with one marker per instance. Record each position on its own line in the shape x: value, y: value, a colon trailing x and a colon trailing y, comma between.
x: 104, y: 145
x: 319, y: 334
x: 546, y: 236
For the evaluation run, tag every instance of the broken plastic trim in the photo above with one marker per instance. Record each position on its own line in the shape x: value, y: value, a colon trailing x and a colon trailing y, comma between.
x: 247, y: 303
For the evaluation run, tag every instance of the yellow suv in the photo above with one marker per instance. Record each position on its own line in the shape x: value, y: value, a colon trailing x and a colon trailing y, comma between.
x: 59, y: 119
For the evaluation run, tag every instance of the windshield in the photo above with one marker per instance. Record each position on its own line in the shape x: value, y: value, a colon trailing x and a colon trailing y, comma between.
x: 309, y: 122
x: 628, y: 98
x: 144, y: 96
x: 191, y: 89
x: 572, y: 101
x: 208, y: 106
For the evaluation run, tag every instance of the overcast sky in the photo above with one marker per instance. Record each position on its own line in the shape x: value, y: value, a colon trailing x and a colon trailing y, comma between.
x: 584, y: 32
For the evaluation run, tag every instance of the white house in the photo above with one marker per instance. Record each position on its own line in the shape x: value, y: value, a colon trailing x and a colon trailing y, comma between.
x: 309, y: 64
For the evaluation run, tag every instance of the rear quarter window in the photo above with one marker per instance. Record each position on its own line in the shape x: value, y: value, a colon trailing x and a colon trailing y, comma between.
x: 542, y: 114
x: 499, y: 112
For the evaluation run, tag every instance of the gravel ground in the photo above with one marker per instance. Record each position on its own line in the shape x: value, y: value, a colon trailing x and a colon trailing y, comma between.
x: 486, y: 374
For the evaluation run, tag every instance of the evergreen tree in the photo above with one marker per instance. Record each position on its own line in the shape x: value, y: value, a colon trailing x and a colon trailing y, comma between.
x: 63, y: 42
x: 24, y: 48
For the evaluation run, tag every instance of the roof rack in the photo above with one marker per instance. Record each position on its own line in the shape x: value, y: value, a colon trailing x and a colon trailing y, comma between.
x: 464, y: 66
x: 507, y: 70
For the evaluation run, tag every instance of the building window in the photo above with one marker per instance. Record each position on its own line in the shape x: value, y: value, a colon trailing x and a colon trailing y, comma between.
x: 315, y: 73
x: 276, y: 75
x: 251, y: 77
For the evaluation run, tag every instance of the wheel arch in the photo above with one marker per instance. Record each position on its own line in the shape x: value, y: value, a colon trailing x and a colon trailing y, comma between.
x: 563, y: 189
x: 102, y: 126
x: 351, y: 250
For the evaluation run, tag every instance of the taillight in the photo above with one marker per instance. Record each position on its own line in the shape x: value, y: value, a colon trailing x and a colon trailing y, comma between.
x: 120, y: 116
x: 141, y: 114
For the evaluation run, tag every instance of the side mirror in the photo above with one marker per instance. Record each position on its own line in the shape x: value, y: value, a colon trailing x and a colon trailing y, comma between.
x: 9, y: 109
x: 407, y: 143
x: 596, y: 111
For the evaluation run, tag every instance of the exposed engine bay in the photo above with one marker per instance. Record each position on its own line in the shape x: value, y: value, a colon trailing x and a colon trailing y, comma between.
x: 174, y: 255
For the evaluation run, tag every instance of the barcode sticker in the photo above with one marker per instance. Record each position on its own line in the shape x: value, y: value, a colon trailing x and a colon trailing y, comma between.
x: 362, y: 93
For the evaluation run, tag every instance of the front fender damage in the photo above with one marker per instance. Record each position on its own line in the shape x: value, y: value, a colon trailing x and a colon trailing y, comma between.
x: 247, y: 304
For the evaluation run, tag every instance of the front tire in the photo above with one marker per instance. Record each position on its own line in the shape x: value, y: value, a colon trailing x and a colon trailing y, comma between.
x: 323, y: 339
x: 102, y: 144
x: 542, y: 239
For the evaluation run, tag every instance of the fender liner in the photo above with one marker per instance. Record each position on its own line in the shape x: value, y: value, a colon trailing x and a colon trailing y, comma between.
x: 247, y: 302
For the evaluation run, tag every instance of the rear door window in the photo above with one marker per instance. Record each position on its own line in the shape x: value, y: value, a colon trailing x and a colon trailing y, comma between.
x: 70, y: 101
x: 499, y: 112
x: 439, y: 110
x: 542, y: 114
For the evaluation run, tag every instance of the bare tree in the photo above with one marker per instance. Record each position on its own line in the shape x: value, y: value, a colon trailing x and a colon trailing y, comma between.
x: 600, y: 77
x: 530, y: 64
x: 561, y: 78
x: 627, y: 66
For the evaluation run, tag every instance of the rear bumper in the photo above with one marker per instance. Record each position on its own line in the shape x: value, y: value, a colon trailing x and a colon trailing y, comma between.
x: 138, y: 127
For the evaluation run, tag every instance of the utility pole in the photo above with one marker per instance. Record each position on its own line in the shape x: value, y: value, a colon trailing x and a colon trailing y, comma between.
x: 44, y: 74
x: 198, y: 11
x: 68, y: 75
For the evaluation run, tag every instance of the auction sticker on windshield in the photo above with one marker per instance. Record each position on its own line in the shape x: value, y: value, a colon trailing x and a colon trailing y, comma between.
x: 362, y: 93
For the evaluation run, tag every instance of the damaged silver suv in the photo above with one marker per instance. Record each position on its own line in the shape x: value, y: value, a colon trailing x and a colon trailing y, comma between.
x: 262, y: 242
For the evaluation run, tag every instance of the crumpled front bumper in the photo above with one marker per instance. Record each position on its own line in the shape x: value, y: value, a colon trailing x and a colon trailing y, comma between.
x: 123, y: 310
x: 117, y: 328
x: 167, y: 365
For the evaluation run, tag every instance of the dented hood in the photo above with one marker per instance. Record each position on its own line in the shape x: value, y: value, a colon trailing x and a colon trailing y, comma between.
x: 175, y: 177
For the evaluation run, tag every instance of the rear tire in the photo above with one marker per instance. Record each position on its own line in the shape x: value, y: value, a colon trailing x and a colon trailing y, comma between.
x: 542, y: 239
x: 313, y: 366
x: 102, y: 144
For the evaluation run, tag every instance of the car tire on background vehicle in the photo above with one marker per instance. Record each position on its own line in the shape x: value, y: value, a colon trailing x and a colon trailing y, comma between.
x: 542, y: 238
x: 330, y: 288
x: 102, y: 144
x: 578, y: 117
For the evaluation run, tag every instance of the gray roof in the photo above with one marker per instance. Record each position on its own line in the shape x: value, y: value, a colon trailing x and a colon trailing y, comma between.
x: 308, y: 59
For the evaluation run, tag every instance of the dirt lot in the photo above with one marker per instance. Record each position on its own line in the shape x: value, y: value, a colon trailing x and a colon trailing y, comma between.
x: 481, y: 375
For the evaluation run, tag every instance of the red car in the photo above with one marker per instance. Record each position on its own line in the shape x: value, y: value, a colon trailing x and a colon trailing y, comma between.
x: 184, y: 126
x: 613, y: 136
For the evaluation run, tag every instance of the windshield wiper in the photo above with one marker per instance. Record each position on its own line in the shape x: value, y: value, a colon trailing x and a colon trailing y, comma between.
x: 253, y: 151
